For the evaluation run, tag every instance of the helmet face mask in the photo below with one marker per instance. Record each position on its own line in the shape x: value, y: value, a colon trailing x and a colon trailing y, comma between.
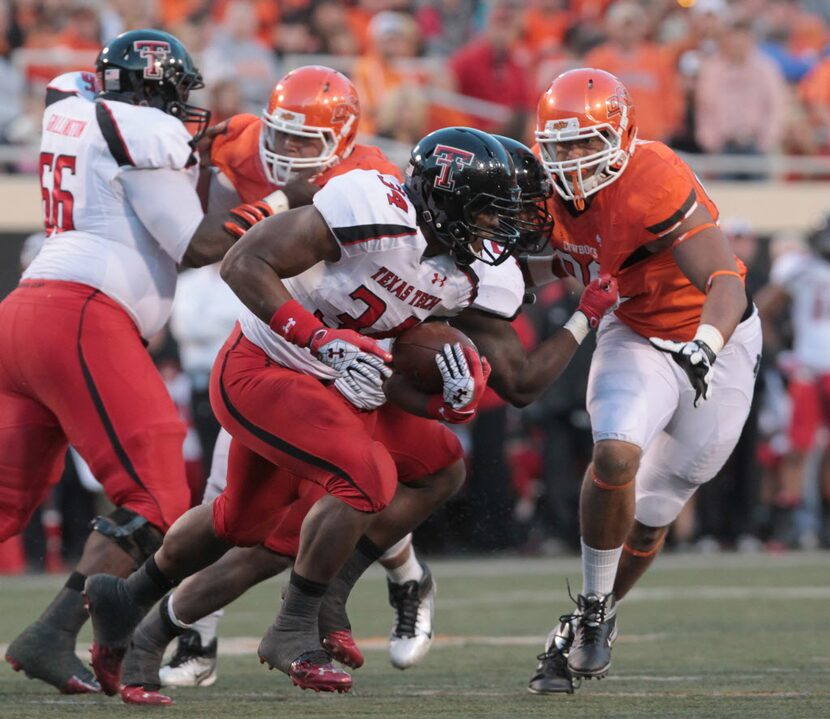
x: 534, y: 222
x: 576, y: 177
x: 462, y: 183
x: 312, y: 102
x: 152, y: 68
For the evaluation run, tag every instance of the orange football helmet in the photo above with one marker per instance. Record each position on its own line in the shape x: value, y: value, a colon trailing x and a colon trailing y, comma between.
x: 314, y: 102
x: 580, y: 106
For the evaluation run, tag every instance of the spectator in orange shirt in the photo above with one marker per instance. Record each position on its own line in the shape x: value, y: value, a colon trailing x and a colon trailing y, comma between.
x: 545, y: 24
x: 393, y: 37
x: 814, y: 92
x: 643, y: 67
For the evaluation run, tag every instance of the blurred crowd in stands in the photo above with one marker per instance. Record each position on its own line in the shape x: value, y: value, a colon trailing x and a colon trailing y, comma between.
x: 748, y: 77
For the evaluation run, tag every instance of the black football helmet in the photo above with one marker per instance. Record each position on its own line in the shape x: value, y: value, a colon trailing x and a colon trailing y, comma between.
x: 463, y: 185
x: 151, y: 67
x: 534, y: 221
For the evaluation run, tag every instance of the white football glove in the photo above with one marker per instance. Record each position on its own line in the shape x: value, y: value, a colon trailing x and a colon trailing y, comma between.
x: 696, y: 359
x: 362, y: 382
x: 459, y: 383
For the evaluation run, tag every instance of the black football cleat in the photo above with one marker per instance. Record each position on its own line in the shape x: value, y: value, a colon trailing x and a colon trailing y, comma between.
x: 114, y: 616
x: 552, y: 675
x: 45, y: 652
x: 596, y: 630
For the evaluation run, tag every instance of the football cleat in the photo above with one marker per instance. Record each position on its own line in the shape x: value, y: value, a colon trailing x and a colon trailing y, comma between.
x: 552, y: 675
x: 114, y: 616
x: 192, y: 665
x: 47, y: 653
x: 342, y: 647
x: 414, y: 605
x: 314, y: 670
x: 148, y: 697
x: 596, y: 630
x: 300, y: 655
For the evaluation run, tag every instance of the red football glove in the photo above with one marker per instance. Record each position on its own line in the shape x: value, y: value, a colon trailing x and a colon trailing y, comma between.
x: 465, y: 377
x: 597, y: 298
x: 245, y: 216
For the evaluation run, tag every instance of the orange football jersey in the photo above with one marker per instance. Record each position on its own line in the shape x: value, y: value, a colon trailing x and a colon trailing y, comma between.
x: 236, y: 154
x: 650, y: 199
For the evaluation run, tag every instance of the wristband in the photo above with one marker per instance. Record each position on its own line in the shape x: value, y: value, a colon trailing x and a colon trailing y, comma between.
x: 295, y: 323
x: 711, y: 336
x: 578, y: 326
x: 277, y: 201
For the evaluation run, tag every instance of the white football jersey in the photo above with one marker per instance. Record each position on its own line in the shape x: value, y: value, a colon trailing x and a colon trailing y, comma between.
x: 381, y: 284
x: 806, y: 278
x: 93, y: 234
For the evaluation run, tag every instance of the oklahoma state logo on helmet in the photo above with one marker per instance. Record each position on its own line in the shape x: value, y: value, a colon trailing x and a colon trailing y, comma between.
x: 450, y: 158
x: 155, y: 52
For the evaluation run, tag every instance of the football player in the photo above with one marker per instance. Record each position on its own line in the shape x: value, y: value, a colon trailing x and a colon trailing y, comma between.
x: 306, y: 136
x: 118, y: 172
x: 369, y: 255
x: 800, y: 281
x: 673, y: 374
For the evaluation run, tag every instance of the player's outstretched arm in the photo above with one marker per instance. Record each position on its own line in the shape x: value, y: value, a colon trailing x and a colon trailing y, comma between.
x: 519, y: 377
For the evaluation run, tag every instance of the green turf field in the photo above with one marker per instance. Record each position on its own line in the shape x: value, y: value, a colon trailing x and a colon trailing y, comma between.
x: 708, y: 636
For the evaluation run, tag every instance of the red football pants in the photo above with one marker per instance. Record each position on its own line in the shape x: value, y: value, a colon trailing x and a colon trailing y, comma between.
x: 810, y: 410
x: 73, y: 370
x: 289, y: 428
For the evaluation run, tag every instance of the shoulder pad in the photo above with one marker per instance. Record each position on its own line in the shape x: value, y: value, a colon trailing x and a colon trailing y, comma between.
x: 364, y: 206
x: 501, y: 289
x: 71, y: 84
x: 144, y: 137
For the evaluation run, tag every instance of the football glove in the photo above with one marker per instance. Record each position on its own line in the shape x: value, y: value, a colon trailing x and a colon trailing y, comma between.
x: 598, y: 297
x: 696, y: 359
x: 338, y: 349
x: 464, y: 375
x: 362, y: 383
x: 245, y: 216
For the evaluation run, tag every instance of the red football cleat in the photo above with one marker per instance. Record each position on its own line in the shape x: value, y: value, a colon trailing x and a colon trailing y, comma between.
x: 140, y: 695
x: 342, y: 647
x: 319, y: 677
x: 106, y: 661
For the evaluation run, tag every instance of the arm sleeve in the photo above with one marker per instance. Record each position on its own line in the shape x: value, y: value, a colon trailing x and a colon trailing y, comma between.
x: 167, y: 205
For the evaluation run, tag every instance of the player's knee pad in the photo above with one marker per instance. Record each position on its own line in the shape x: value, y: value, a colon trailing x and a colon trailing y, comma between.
x: 130, y: 531
x: 373, y: 482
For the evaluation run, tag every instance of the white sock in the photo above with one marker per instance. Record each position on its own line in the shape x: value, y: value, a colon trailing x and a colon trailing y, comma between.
x: 172, y: 615
x: 599, y: 569
x: 397, y: 548
x: 208, y: 626
x: 410, y: 570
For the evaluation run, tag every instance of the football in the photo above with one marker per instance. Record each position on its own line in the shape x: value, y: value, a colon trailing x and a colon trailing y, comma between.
x: 413, y: 353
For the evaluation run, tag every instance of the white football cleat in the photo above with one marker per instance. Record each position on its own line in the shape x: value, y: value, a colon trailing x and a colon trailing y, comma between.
x: 191, y: 665
x: 414, y: 605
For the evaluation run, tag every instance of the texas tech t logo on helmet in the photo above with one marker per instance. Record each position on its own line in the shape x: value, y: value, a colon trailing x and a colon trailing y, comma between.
x: 449, y: 158
x: 155, y: 52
